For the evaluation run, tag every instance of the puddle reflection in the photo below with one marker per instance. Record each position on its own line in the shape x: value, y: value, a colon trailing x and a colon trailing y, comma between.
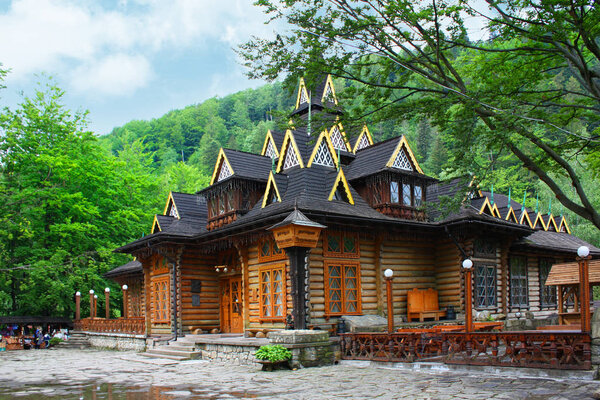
x: 110, y: 391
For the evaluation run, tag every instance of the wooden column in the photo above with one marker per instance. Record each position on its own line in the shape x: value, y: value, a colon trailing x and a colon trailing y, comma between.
x: 297, y: 257
x: 584, y: 293
x: 107, y: 302
x: 77, y: 306
x: 468, y: 300
x: 125, y: 304
x: 95, y: 305
x: 390, y: 304
x: 92, y: 303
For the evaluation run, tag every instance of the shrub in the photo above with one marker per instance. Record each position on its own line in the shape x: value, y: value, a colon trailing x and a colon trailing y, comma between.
x: 273, y: 353
x: 54, y: 341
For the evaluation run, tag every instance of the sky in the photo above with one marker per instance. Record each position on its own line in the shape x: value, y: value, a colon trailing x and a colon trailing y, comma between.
x: 127, y: 59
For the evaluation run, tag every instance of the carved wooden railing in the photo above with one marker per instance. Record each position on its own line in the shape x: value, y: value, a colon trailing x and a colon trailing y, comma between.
x: 559, y: 350
x: 135, y: 325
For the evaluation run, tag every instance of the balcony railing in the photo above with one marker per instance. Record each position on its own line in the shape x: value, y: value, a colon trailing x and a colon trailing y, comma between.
x: 556, y: 350
x: 136, y: 325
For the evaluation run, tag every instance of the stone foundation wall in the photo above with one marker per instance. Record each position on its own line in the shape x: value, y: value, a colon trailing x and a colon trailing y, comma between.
x: 117, y: 341
x: 237, y: 355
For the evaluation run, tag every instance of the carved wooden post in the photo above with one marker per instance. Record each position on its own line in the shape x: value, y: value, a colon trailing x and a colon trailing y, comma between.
x: 77, y: 306
x: 107, y: 302
x: 584, y: 288
x: 91, y: 303
x: 125, y: 313
x: 467, y: 265
x: 389, y: 275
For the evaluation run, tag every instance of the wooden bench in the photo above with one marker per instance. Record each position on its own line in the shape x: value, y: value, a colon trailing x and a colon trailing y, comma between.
x: 423, y: 303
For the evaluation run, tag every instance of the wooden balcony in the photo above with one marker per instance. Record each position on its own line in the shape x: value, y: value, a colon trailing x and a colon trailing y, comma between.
x: 399, y: 211
x: 134, y: 326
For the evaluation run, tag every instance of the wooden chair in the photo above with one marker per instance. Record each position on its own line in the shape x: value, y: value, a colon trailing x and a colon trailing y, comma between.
x: 423, y: 303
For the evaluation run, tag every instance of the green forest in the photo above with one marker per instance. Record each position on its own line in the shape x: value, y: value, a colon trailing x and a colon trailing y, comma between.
x: 69, y: 197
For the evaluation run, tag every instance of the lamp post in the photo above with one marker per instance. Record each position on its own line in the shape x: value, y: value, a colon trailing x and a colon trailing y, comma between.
x: 467, y: 265
x: 124, y: 287
x: 389, y: 275
x: 583, y: 258
x: 91, y: 303
x: 95, y: 305
x: 107, y: 301
x: 77, y: 306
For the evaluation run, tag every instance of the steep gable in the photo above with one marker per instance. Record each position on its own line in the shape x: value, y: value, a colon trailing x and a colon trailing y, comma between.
x: 323, y: 153
x: 290, y: 155
x: 223, y: 169
x: 403, y: 158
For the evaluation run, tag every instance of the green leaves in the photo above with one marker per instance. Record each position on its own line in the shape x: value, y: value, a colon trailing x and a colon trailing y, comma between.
x: 273, y: 353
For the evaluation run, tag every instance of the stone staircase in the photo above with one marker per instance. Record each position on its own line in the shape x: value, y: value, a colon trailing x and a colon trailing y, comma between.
x: 77, y: 340
x: 181, y: 349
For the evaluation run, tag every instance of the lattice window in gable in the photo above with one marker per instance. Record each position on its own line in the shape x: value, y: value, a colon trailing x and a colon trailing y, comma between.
x: 225, y: 171
x: 291, y: 160
x: 402, y: 162
x: 364, y: 142
x: 323, y: 156
x: 173, y: 211
x: 328, y: 96
x: 303, y: 96
x: 337, y: 140
x: 271, y: 150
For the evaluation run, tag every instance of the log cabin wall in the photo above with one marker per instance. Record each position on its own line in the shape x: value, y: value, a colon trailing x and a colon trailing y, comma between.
x: 447, y: 274
x: 199, y: 292
x: 413, y: 261
x: 136, y: 294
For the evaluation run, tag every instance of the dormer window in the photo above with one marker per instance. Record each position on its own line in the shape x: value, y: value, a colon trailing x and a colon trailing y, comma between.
x: 271, y: 150
x: 337, y: 140
x: 323, y: 156
x: 225, y: 172
x: 418, y: 196
x: 362, y: 142
x: 173, y: 212
x: 291, y: 160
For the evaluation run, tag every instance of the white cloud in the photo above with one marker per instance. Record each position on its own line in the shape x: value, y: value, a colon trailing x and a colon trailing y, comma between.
x: 84, y: 40
x: 114, y: 75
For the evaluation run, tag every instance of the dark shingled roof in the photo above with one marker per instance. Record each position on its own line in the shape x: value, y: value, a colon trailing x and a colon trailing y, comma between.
x: 164, y: 221
x: 189, y: 205
x: 278, y: 138
x: 316, y: 93
x: 557, y: 241
x: 501, y: 201
x: 249, y: 165
x: 132, y: 267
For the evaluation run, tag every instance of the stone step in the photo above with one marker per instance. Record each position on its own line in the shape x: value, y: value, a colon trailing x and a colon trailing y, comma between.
x: 179, y: 347
x: 166, y: 351
x: 170, y: 357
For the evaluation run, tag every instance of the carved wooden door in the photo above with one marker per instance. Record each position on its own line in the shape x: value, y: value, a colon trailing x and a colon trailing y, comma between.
x: 232, y: 319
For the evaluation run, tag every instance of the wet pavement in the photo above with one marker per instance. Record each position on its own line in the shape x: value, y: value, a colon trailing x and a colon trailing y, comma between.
x: 95, y: 374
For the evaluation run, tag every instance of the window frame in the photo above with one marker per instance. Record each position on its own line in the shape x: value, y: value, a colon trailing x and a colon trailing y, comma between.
x: 543, y: 287
x: 343, y: 290
x: 341, y: 253
x: 272, y: 255
x: 476, y: 278
x: 270, y: 269
x: 517, y: 280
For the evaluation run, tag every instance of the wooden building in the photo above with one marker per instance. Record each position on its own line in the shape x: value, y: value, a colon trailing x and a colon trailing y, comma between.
x: 343, y: 209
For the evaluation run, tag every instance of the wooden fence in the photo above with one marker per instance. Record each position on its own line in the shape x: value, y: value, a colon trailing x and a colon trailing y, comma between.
x: 135, y: 325
x: 557, y: 350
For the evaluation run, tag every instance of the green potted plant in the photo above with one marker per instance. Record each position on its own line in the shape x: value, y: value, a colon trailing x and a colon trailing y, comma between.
x: 271, y: 356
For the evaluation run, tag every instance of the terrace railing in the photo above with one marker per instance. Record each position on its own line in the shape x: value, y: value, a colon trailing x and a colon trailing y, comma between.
x: 557, y: 350
x: 135, y: 325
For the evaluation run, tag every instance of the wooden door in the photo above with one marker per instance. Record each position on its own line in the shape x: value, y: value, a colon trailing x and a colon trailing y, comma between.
x: 232, y: 320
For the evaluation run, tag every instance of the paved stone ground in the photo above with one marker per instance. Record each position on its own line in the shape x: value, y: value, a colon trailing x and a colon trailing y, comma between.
x: 48, y: 374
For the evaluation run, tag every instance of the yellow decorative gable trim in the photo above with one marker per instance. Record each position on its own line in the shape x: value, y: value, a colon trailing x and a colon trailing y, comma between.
x: 155, y: 225
x: 220, y: 158
x: 323, y: 136
x: 329, y: 84
x: 341, y: 178
x: 539, y: 220
x: 288, y: 141
x: 411, y: 156
x: 525, y: 218
x: 487, y: 206
x: 170, y: 200
x: 551, y: 222
x: 511, y: 215
x: 365, y: 131
x: 270, y: 183
x: 302, y: 91
x: 563, y: 225
x: 269, y: 137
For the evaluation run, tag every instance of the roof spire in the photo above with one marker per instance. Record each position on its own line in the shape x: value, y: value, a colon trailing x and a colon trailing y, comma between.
x: 523, y: 204
x: 492, y: 197
x: 537, y: 201
x: 550, y: 205
x: 508, y: 205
